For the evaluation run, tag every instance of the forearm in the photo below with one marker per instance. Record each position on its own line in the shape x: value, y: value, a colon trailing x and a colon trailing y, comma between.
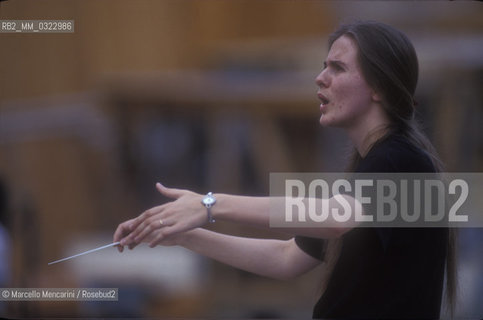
x: 242, y: 209
x: 256, y: 211
x: 265, y: 257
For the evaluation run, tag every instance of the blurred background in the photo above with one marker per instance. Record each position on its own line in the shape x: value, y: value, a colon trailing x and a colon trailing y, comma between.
x: 208, y: 95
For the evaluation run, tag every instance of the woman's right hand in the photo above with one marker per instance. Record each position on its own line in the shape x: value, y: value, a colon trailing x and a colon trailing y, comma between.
x: 126, y: 227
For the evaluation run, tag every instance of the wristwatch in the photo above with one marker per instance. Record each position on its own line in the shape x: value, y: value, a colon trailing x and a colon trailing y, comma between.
x: 208, y: 201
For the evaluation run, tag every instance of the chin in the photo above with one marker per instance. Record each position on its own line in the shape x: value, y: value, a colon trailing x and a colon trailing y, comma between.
x: 324, y: 122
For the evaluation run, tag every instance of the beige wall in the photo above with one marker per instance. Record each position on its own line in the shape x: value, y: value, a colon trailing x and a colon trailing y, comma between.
x: 124, y: 35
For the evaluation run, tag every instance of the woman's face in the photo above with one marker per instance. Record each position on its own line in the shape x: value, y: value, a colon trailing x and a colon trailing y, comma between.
x: 345, y: 96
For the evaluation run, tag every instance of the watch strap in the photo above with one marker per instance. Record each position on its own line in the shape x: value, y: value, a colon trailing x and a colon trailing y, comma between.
x: 208, y: 201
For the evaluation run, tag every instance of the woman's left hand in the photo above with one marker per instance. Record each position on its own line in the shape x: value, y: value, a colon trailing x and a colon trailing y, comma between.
x: 185, y: 213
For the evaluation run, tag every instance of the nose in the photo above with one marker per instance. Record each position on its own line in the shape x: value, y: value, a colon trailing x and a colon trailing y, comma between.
x: 322, y: 79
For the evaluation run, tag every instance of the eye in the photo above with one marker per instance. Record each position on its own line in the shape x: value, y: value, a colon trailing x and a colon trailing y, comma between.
x: 337, y: 67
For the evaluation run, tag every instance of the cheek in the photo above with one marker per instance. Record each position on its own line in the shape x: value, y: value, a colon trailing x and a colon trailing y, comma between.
x: 354, y: 98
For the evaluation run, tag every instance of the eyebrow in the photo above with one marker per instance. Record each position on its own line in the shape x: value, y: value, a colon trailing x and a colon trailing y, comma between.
x: 335, y: 62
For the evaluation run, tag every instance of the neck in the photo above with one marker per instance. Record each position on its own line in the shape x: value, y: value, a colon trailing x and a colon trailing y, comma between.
x: 368, y: 130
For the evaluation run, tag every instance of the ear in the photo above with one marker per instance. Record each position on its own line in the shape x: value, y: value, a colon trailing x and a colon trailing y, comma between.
x: 376, y: 97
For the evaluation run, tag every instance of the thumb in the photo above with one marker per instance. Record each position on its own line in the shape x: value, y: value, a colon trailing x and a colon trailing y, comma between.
x: 169, y: 192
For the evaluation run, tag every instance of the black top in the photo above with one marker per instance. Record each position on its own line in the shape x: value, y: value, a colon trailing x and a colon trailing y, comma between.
x: 385, y: 272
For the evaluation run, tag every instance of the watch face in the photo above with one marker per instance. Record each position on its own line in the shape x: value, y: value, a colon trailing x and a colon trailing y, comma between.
x: 208, y: 200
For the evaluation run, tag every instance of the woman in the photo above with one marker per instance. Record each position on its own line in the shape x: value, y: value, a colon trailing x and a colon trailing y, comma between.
x: 366, y: 88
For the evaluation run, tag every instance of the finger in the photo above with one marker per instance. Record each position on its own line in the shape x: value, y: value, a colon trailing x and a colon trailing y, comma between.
x: 152, y: 225
x: 145, y: 215
x: 122, y: 230
x: 141, y: 229
x: 131, y: 245
x: 157, y: 240
x: 162, y: 235
x: 170, y: 192
x: 139, y: 224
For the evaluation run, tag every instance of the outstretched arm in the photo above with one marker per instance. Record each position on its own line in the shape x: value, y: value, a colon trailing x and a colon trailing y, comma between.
x: 186, y: 213
x: 279, y: 259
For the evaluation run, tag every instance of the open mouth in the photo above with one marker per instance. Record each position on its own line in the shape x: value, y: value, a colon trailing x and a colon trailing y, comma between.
x: 323, y: 99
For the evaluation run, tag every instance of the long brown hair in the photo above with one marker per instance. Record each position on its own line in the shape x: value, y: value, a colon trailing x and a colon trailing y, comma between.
x: 389, y: 64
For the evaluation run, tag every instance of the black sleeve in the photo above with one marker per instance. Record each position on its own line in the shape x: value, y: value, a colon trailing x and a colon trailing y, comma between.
x: 314, y: 247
